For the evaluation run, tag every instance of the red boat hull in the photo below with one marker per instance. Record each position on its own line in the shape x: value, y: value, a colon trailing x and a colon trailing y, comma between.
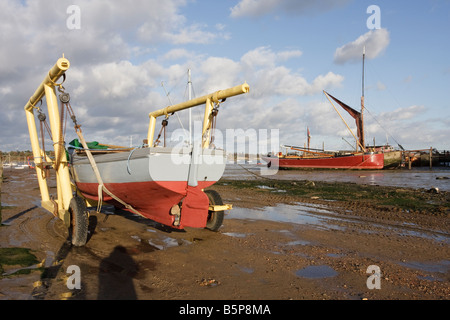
x: 154, y: 200
x: 356, y: 162
x: 162, y: 184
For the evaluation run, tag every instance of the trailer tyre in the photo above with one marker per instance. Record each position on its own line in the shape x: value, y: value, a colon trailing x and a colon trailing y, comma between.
x: 215, y: 218
x: 79, y: 221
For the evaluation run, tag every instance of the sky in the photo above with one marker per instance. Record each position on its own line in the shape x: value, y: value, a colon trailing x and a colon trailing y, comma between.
x: 129, y: 58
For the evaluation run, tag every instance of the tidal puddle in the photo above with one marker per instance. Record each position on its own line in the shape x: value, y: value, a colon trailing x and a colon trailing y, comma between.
x: 439, y: 267
x: 270, y: 188
x: 246, y: 269
x: 321, y: 217
x: 167, y: 242
x: 235, y: 234
x: 335, y: 255
x: 298, y: 243
x: 160, y: 243
x: 316, y: 272
x: 299, y: 214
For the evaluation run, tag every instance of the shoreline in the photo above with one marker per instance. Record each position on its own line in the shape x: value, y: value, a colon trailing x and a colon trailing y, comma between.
x: 416, y: 178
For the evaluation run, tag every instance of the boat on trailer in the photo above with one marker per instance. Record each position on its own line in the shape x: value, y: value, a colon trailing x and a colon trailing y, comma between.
x: 156, y: 182
x: 153, y: 183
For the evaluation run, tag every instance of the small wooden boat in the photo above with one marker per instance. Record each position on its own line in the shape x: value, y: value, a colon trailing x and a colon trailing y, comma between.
x: 156, y: 182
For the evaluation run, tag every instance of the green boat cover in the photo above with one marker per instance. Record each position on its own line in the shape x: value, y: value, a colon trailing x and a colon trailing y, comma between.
x: 75, y: 144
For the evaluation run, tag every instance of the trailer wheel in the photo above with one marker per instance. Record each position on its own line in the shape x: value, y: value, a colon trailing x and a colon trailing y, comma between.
x: 215, y: 218
x: 79, y: 221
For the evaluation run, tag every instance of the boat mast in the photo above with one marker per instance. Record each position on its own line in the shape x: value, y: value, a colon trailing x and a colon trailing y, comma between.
x: 362, y: 102
x: 190, y: 111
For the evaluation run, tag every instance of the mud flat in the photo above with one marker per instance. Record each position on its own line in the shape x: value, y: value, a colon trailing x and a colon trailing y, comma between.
x: 284, y: 240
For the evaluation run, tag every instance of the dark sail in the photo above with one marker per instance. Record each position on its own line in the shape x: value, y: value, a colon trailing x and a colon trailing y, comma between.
x: 355, y: 115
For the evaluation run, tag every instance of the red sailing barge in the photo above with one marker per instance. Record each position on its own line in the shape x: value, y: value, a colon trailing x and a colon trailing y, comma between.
x: 317, y: 159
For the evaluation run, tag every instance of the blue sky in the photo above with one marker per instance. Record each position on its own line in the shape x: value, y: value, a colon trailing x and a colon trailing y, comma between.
x: 287, y: 50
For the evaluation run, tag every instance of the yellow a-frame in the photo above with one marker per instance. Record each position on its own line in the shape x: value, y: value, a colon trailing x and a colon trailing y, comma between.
x: 72, y: 209
x: 60, y: 206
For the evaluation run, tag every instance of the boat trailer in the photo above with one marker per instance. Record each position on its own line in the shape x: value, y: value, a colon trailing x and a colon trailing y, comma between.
x: 69, y: 205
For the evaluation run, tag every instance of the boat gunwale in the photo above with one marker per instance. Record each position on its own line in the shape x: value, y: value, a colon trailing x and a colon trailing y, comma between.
x: 136, y: 153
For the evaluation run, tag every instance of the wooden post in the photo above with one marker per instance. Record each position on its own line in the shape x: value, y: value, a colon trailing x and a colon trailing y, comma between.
x: 409, y: 161
x: 431, y: 158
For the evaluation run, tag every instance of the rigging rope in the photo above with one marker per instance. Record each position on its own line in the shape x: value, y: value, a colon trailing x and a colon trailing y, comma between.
x: 171, y: 103
x: 101, y: 185
x: 43, y: 122
x: 401, y: 147
x: 65, y: 99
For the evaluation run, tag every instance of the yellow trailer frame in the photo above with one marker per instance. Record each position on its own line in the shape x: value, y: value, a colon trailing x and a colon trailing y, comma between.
x: 60, y: 206
x: 209, y: 101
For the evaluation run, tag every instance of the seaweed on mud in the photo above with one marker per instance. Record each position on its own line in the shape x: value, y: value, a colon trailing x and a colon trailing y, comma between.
x: 378, y: 196
x: 16, y: 256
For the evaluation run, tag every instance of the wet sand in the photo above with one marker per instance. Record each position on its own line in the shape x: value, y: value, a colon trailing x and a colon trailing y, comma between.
x: 272, y: 246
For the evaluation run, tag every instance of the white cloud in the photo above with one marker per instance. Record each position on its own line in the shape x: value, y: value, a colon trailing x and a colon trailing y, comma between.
x: 264, y: 69
x: 259, y: 57
x: 119, y: 80
x: 253, y: 7
x: 330, y: 80
x: 219, y: 73
x: 375, y: 41
x: 109, y: 31
x: 286, y: 55
x: 380, y: 86
x: 408, y: 79
x: 178, y: 53
x: 403, y: 113
x: 265, y: 56
x: 191, y: 34
x: 257, y: 8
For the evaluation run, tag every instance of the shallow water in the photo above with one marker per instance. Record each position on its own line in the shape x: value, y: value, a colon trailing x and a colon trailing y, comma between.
x: 299, y: 214
x: 417, y: 178
x: 438, y: 267
x: 316, y: 272
x: 321, y: 217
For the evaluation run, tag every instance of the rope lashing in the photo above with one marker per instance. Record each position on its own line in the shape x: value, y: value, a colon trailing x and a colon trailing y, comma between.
x: 65, y: 99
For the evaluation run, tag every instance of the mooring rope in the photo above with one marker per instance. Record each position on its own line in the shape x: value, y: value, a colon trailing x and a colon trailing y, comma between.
x: 101, y: 186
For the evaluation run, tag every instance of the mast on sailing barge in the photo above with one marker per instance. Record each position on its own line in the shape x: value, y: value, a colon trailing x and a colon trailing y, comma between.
x: 363, y: 142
